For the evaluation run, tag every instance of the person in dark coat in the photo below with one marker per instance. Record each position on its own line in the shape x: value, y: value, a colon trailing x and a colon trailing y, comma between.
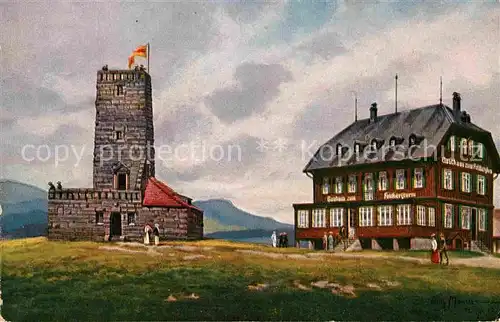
x: 156, y: 233
x: 280, y: 241
x: 285, y: 240
x: 442, y: 249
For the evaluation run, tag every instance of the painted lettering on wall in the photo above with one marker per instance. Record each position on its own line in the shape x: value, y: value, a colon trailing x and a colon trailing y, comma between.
x: 402, y: 195
x: 340, y: 198
x: 471, y: 166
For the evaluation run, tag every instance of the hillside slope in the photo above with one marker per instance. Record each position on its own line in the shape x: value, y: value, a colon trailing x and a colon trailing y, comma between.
x: 226, y: 213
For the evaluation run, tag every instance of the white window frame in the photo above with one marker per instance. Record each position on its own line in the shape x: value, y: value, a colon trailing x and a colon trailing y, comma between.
x: 416, y: 182
x: 480, y: 150
x: 339, y: 185
x: 319, y: 218
x: 368, y: 184
x: 431, y: 220
x: 421, y: 215
x: 352, y: 184
x: 448, y: 216
x: 448, y: 179
x: 481, y: 183
x: 466, y: 182
x: 404, y: 214
x: 303, y: 219
x: 452, y: 143
x: 481, y: 218
x: 465, y: 217
x: 470, y: 147
x: 365, y: 216
x: 326, y: 185
x: 382, y: 181
x: 385, y: 215
x: 463, y: 146
x: 400, y: 179
x: 336, y: 217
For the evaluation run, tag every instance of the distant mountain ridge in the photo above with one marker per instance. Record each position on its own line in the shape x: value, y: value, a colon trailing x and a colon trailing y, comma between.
x: 24, y: 214
x: 224, y: 212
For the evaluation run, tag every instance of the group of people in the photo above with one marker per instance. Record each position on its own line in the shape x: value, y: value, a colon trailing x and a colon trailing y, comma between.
x: 150, y: 232
x: 438, y: 249
x: 282, y: 241
x: 330, y: 241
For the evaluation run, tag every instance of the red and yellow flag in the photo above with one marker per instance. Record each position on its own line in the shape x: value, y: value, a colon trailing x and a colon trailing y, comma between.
x: 141, y: 51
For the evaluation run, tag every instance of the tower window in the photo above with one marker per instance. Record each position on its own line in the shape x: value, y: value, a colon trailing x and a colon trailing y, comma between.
x: 119, y: 89
x: 119, y: 135
x: 122, y: 181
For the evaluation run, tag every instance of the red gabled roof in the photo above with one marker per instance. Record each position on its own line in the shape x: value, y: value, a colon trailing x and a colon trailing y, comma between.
x: 158, y: 194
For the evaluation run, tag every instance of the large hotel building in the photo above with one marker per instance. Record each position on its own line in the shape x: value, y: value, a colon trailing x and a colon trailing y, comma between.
x: 393, y: 180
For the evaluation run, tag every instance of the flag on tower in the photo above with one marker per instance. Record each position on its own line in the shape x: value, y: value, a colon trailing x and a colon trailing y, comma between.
x: 141, y: 51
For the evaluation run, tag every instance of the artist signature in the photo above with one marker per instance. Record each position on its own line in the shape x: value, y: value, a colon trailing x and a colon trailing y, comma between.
x: 452, y: 302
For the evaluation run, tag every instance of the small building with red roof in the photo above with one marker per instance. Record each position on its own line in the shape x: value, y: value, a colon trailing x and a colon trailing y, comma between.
x: 127, y: 201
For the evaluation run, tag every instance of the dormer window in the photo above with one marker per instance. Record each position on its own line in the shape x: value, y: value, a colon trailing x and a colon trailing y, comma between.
x: 118, y: 135
x: 393, y: 142
x: 451, y: 143
x: 356, y: 148
x: 339, y: 149
x: 412, y: 140
x: 471, y: 147
x: 463, y: 146
x: 374, y: 145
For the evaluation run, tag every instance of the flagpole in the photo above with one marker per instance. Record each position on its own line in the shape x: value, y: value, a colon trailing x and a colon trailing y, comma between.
x: 149, y: 51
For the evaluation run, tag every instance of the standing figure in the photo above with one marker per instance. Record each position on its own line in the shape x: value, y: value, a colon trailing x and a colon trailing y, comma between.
x: 434, y: 250
x: 285, y: 239
x: 330, y: 241
x: 273, y: 238
x: 147, y: 233
x: 156, y: 233
x: 442, y: 249
x: 325, y: 242
x: 280, y: 241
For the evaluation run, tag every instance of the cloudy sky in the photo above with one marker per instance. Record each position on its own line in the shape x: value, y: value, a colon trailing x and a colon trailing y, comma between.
x: 228, y: 74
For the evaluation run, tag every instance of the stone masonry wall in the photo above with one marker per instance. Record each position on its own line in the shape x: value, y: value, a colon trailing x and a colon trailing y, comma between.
x: 72, y: 216
x: 123, y: 103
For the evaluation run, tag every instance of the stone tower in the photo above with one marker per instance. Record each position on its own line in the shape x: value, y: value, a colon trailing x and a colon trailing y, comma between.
x: 124, y: 136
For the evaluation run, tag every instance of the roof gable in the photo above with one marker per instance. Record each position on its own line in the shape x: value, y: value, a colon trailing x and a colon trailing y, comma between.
x: 158, y: 194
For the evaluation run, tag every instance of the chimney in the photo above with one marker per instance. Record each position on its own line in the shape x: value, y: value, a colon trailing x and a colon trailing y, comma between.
x: 373, y: 113
x: 467, y: 118
x: 456, y: 104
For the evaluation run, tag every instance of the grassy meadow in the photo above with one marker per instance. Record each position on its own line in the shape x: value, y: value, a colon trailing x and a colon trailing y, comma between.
x: 215, y: 280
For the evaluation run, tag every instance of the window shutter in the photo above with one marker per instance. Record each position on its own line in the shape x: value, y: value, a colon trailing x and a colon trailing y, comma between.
x: 462, y: 188
x: 459, y: 217
x: 486, y: 219
x: 423, y: 177
x: 472, y: 182
x: 375, y: 181
x: 442, y: 179
x: 485, y: 185
x: 448, y: 144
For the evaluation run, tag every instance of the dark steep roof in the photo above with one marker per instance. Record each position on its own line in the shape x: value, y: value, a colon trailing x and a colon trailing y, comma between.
x: 430, y: 122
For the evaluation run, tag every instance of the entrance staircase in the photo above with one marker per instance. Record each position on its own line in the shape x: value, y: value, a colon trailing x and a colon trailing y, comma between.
x: 344, y: 245
x: 479, y: 246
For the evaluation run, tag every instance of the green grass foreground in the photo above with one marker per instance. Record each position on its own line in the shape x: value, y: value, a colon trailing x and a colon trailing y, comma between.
x: 58, y: 281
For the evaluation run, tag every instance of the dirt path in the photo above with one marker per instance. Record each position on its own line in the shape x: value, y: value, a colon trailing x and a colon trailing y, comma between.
x: 483, y: 261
